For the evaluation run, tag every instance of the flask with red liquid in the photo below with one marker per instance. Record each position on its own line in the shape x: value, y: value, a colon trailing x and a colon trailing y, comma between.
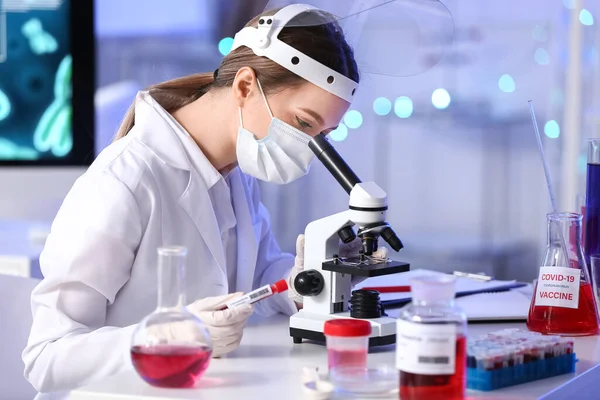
x: 563, y: 302
x: 431, y: 343
x: 171, y: 348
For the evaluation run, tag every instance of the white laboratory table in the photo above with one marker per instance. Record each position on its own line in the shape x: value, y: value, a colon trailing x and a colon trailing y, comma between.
x: 267, y: 363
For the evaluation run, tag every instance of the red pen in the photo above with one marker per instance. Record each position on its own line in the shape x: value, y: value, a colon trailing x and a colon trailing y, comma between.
x: 389, y: 289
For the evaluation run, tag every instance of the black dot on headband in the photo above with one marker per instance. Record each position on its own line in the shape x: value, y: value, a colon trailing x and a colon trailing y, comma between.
x: 295, y: 60
x: 353, y: 90
x: 330, y: 79
x: 261, y: 21
x: 269, y: 21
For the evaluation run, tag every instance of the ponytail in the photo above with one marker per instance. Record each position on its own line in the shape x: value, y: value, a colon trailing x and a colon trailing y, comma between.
x: 171, y: 95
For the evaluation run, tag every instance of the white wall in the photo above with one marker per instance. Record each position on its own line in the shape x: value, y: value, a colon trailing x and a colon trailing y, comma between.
x: 34, y: 193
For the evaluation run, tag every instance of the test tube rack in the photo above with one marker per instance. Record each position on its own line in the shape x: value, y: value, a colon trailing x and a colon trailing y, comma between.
x: 512, y: 356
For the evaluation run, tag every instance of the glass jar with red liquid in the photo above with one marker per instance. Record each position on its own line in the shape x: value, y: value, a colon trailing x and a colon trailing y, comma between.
x: 431, y: 343
x: 563, y: 301
x: 171, y: 348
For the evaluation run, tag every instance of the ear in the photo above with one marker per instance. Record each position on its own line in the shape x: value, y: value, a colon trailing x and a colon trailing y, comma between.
x: 244, y: 85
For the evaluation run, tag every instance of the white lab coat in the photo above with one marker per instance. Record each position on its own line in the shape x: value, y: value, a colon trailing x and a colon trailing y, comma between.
x: 99, y: 261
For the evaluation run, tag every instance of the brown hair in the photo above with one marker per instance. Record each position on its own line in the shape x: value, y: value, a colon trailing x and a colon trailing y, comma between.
x: 319, y: 37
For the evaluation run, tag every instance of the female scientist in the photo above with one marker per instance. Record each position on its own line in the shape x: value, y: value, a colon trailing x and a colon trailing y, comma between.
x: 183, y: 172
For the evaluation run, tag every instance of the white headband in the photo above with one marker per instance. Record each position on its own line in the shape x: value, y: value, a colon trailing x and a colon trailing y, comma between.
x: 263, y: 42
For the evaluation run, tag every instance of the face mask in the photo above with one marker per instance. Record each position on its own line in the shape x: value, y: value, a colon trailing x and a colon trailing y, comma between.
x: 281, y: 157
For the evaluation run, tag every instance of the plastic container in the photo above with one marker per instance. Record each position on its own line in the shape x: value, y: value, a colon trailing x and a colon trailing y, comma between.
x: 431, y: 352
x: 347, y: 342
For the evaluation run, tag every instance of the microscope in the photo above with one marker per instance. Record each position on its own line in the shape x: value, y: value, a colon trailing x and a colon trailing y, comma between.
x: 325, y: 283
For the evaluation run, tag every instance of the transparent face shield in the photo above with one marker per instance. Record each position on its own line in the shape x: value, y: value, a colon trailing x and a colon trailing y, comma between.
x: 395, y: 38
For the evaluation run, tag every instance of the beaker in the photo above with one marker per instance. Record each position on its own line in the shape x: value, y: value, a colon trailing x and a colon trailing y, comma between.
x: 563, y: 303
x: 592, y: 201
x: 595, y: 276
x: 171, y: 347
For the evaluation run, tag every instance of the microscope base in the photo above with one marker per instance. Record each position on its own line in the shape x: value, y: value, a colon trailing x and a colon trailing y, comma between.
x: 304, y: 325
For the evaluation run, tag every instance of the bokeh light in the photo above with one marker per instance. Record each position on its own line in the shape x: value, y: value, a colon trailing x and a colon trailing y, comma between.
x: 225, y: 45
x: 403, y: 107
x: 440, y: 98
x: 339, y: 134
x: 541, y: 57
x: 353, y: 119
x: 552, y: 129
x: 506, y: 83
x: 586, y: 17
x: 382, y: 106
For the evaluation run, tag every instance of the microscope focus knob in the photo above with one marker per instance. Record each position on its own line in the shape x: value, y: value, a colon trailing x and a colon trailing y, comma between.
x: 347, y: 234
x: 309, y: 283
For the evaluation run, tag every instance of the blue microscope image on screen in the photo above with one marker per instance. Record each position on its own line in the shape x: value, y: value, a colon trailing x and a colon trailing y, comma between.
x: 35, y: 80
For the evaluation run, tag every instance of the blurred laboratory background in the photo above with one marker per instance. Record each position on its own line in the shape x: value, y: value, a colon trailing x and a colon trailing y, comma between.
x: 454, y: 147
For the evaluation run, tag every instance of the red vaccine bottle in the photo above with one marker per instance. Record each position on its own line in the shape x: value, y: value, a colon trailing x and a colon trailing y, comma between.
x: 431, y: 344
x: 563, y: 301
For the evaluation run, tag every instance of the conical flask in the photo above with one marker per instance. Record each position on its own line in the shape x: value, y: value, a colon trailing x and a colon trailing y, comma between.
x: 563, y: 303
x: 171, y: 348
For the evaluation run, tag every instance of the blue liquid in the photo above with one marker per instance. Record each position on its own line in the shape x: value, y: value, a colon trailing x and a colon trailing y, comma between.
x: 592, y: 212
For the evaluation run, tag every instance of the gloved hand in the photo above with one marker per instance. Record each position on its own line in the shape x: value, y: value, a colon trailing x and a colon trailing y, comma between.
x: 224, y: 326
x: 298, y: 267
x: 346, y: 250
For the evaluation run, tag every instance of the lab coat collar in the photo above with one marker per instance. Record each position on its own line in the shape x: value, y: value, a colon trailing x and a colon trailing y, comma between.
x: 183, y: 153
x: 247, y: 250
x: 175, y: 147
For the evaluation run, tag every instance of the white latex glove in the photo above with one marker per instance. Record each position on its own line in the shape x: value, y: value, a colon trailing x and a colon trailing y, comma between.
x: 346, y: 250
x: 298, y: 267
x: 225, y: 326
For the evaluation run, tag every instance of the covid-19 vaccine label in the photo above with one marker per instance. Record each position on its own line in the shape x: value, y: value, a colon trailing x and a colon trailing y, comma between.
x: 428, y: 349
x: 558, y: 287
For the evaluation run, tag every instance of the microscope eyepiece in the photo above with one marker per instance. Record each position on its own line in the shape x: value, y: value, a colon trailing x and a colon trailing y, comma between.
x: 332, y: 160
x: 390, y: 237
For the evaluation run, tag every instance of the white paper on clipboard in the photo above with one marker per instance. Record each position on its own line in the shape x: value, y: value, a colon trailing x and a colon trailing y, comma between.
x: 499, y: 306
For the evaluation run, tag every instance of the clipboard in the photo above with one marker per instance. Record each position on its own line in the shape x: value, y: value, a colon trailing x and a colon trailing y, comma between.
x: 480, y: 300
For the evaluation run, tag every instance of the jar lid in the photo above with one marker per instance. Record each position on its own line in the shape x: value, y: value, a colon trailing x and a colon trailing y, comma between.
x: 433, y: 287
x: 347, y: 327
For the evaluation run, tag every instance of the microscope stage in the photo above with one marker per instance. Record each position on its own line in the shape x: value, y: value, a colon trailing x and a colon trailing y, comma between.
x: 366, y: 270
x: 304, y: 325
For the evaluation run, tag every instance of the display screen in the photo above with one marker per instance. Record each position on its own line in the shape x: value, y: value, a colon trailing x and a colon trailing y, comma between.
x: 36, y: 75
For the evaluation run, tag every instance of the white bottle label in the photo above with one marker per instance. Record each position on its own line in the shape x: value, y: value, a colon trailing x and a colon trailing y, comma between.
x: 428, y: 349
x: 558, y: 287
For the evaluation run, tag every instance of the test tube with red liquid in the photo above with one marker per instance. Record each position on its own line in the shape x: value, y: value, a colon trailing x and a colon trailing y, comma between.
x: 259, y: 294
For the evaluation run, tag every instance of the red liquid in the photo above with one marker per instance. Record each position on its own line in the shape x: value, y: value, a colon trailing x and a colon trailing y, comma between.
x: 438, y: 387
x: 353, y: 358
x: 170, y: 366
x: 550, y: 320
